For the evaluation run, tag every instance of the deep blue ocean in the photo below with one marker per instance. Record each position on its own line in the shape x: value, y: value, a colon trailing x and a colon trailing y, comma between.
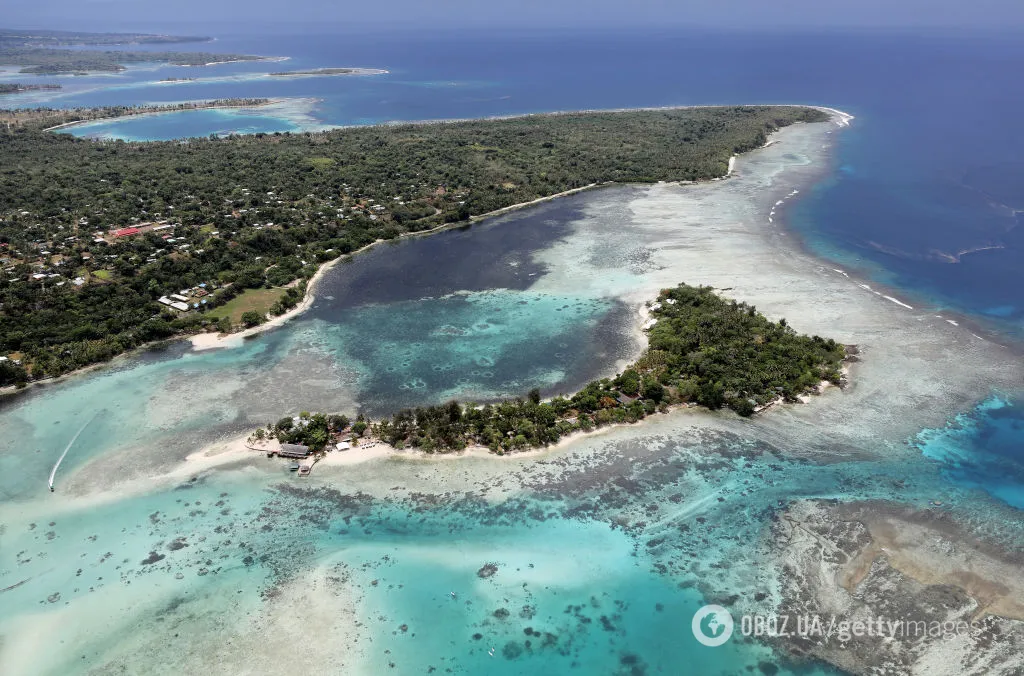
x: 930, y: 185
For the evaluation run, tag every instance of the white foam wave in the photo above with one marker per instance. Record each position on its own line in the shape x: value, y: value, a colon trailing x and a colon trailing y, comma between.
x: 898, y: 302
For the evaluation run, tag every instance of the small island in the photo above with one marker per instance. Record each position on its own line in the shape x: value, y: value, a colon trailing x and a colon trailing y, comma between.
x: 329, y: 71
x: 704, y: 350
x: 6, y: 88
x: 177, y: 79
x: 45, y: 52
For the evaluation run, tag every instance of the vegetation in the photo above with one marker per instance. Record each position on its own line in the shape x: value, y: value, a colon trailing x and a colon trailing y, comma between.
x: 40, y: 51
x: 221, y: 216
x: 312, y: 430
x: 252, y: 318
x: 703, y: 350
x: 9, y: 88
x: 259, y: 301
x: 12, y: 374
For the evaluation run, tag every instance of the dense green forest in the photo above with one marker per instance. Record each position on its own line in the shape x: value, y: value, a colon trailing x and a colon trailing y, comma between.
x: 703, y: 350
x: 264, y: 211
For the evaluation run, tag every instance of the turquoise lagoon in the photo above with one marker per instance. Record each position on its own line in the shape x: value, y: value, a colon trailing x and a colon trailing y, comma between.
x: 601, y: 559
x: 139, y: 562
x: 185, y: 124
x: 982, y: 449
x: 387, y: 330
x: 571, y: 591
x: 600, y: 554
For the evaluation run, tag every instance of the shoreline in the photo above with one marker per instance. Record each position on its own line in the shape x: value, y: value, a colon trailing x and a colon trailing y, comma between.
x: 213, y: 340
x: 209, y: 340
x: 838, y: 117
x: 271, y: 59
x: 235, y: 450
x: 914, y: 368
x: 238, y: 449
x: 350, y: 71
x: 199, y: 105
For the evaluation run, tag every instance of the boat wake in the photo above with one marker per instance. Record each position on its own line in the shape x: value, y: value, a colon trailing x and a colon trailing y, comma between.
x: 53, y: 472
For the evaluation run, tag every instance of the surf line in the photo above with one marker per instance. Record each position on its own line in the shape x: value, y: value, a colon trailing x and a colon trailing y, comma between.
x: 53, y: 472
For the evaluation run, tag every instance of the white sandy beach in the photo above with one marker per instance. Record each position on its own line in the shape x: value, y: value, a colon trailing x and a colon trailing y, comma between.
x: 711, y: 234
x: 206, y: 341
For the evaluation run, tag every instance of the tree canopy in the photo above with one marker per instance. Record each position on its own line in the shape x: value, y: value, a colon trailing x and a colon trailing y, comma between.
x: 703, y: 350
x: 221, y: 215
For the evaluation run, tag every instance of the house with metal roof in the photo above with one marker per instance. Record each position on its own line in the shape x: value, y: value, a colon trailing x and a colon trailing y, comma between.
x: 293, y: 451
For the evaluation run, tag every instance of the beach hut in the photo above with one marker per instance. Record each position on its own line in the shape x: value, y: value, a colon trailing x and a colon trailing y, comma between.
x: 344, y: 446
x: 293, y: 451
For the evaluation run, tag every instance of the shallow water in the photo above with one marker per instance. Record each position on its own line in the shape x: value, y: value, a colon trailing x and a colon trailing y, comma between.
x: 568, y: 569
x: 421, y: 321
x: 216, y: 122
x: 982, y: 449
x: 139, y: 573
x: 601, y: 559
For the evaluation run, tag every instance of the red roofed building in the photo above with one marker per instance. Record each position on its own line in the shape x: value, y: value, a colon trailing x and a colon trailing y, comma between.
x: 125, y: 232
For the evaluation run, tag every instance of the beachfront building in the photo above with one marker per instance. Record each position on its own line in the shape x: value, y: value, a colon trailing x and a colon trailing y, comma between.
x: 293, y: 451
x: 177, y: 305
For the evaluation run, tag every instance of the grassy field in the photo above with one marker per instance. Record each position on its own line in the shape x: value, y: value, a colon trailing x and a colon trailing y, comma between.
x: 259, y: 300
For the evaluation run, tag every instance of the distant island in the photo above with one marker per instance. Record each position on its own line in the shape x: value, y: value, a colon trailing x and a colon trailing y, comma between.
x: 330, y: 71
x: 41, y: 52
x: 240, y: 224
x: 703, y: 350
x: 18, y: 88
x: 50, y: 38
x: 178, y: 79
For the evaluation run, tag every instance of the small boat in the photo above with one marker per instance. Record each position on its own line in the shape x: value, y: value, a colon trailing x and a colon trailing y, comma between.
x: 293, y: 467
x: 305, y: 470
x: 453, y: 594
